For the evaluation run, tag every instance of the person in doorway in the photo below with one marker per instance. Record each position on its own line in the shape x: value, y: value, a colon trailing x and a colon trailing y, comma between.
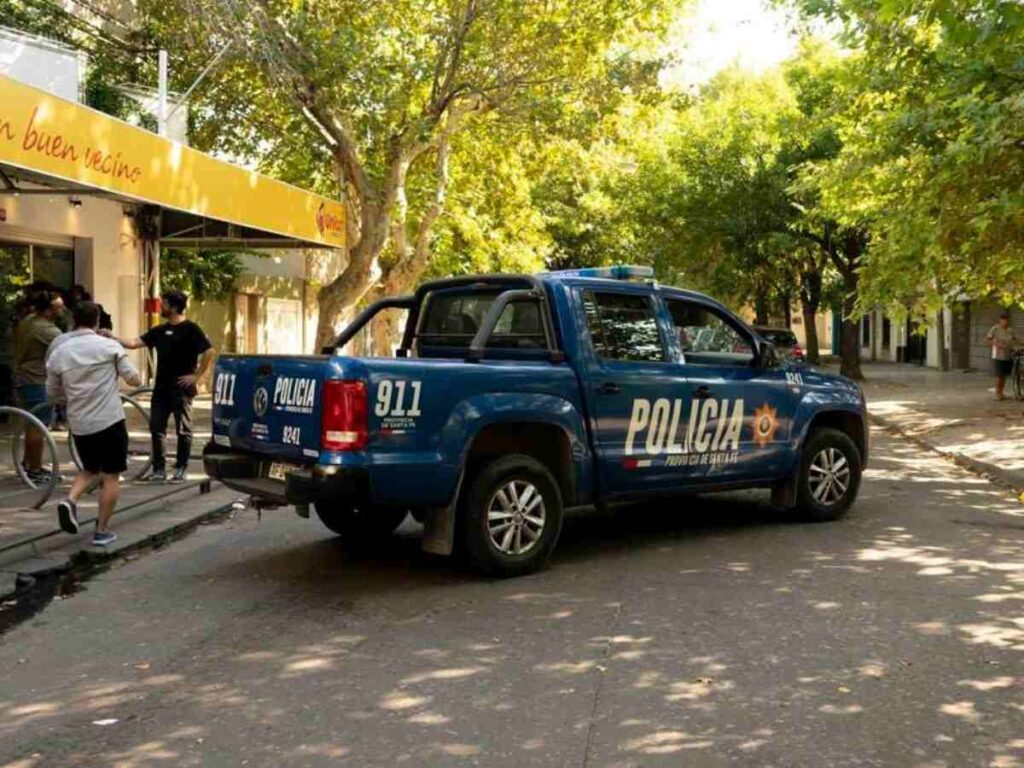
x: 32, y: 338
x: 1003, y: 340
x: 82, y: 373
x: 183, y: 357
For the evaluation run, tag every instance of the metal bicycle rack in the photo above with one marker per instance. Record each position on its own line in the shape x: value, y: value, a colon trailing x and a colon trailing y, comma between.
x: 28, y: 418
x: 32, y: 417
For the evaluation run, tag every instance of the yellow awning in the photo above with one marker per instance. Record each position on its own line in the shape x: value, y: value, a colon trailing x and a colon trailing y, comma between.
x: 43, y: 134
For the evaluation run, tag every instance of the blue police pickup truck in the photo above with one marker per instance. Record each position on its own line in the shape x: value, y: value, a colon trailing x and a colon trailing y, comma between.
x: 514, y: 397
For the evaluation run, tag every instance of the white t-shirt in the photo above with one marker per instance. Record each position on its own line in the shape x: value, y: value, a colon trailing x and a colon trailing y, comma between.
x: 82, y: 369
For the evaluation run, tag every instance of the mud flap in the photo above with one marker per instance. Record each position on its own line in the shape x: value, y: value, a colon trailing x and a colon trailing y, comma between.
x: 439, y: 526
x: 784, y: 494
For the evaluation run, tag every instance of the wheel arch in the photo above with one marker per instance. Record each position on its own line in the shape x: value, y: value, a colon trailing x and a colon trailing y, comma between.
x: 541, y: 440
x: 846, y: 420
x: 548, y: 427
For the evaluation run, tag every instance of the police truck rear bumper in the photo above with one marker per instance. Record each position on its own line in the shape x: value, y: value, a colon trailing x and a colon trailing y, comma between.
x: 248, y: 473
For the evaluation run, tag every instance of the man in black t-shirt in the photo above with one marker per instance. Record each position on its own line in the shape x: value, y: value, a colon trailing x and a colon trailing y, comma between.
x: 183, y: 356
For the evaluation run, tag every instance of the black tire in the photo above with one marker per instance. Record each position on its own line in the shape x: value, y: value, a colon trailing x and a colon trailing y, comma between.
x: 818, y: 504
x: 360, y: 524
x: 482, y: 490
x: 1018, y: 378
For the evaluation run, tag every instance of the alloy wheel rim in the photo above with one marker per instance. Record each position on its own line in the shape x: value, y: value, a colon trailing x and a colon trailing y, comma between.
x: 829, y: 477
x: 515, y: 517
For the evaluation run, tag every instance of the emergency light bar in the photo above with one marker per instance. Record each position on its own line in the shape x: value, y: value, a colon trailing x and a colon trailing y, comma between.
x: 618, y: 272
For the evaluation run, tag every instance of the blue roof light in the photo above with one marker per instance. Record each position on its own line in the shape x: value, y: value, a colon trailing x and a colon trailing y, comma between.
x: 618, y: 272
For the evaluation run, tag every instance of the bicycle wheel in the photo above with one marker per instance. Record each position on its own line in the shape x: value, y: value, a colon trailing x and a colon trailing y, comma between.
x: 1018, y: 377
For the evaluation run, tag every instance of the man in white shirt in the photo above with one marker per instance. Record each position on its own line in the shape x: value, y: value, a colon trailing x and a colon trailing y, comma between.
x: 82, y: 371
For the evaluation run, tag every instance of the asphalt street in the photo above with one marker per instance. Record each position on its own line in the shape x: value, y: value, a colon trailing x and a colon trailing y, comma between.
x: 700, y: 632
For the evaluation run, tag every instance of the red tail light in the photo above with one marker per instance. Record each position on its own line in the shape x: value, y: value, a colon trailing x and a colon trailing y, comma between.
x: 798, y: 351
x: 345, y: 425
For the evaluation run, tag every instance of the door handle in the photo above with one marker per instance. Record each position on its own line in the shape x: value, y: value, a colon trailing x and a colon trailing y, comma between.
x: 609, y: 388
x: 702, y: 392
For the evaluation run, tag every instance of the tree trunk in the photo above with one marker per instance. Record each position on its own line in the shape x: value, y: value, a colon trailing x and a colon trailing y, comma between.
x: 810, y: 300
x: 760, y: 309
x: 787, y: 310
x: 338, y: 299
x: 849, y: 344
x: 386, y: 333
x: 810, y: 315
x: 940, y: 331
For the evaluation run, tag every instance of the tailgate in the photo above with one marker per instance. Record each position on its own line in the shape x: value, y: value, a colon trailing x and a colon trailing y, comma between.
x: 269, y: 405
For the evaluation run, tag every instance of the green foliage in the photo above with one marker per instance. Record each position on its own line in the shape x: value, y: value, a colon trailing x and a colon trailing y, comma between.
x: 932, y: 147
x: 201, y: 275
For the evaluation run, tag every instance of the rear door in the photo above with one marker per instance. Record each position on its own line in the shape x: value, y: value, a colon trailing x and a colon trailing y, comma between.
x: 269, y: 405
x: 636, y: 393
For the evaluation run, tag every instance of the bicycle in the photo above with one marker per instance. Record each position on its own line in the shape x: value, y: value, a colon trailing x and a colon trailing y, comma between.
x: 1017, y: 374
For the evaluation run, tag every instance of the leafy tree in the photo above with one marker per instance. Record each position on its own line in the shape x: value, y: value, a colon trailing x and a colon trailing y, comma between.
x: 381, y: 90
x: 202, y: 274
x: 932, y: 146
x: 735, y: 199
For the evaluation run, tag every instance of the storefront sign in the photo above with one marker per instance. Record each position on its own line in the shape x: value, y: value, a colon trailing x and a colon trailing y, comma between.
x: 45, y: 134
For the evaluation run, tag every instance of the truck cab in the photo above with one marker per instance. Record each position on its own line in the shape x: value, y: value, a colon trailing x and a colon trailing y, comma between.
x: 514, y: 397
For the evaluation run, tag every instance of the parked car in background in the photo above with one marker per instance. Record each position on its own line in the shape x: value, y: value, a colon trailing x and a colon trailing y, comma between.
x: 785, y: 342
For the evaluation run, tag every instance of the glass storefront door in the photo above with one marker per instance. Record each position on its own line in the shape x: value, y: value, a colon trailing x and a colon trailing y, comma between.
x: 21, y: 264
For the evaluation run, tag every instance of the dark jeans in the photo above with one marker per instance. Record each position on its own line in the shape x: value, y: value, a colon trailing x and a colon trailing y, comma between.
x: 167, y: 403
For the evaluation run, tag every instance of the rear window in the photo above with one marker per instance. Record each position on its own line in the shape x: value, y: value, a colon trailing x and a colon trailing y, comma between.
x: 452, y: 320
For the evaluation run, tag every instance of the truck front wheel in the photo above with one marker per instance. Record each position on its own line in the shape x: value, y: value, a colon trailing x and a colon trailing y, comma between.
x: 360, y: 524
x: 830, y: 470
x: 511, y: 516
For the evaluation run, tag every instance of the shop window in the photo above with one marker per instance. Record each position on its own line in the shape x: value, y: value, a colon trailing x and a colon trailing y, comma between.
x: 886, y: 333
x: 55, y: 265
x: 14, y: 276
x: 865, y: 325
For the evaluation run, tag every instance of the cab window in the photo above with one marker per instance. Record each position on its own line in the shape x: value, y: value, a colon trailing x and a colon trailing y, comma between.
x: 453, y: 318
x: 623, y: 327
x: 707, y: 337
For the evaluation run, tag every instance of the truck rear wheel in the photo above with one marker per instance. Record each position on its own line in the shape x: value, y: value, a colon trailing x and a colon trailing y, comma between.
x: 511, y: 516
x: 830, y: 470
x: 360, y: 524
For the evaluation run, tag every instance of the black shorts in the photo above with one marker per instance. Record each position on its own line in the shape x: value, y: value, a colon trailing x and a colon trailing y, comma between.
x: 1002, y: 368
x: 104, y: 452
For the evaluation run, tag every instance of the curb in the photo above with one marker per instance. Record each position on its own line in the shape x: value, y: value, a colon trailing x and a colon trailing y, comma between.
x: 22, y: 576
x: 996, y: 474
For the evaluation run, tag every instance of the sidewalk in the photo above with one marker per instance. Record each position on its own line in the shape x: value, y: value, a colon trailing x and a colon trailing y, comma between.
x: 953, y: 412
x: 32, y: 544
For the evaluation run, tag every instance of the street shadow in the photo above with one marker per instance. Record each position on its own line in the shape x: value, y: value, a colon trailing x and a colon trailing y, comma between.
x: 700, y: 631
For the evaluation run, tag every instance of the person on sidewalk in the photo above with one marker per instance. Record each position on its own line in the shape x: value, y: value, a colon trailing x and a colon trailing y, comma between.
x: 1003, y: 340
x: 183, y: 356
x: 82, y: 373
x: 32, y: 338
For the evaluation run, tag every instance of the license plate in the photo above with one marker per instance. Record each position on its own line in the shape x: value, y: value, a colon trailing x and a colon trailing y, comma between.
x: 278, y: 471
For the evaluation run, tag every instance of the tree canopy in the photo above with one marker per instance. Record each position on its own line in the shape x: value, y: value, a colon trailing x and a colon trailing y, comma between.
x: 879, y: 168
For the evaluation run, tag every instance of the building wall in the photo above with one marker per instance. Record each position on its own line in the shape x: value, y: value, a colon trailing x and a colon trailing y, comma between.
x: 274, y: 306
x: 107, y: 251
